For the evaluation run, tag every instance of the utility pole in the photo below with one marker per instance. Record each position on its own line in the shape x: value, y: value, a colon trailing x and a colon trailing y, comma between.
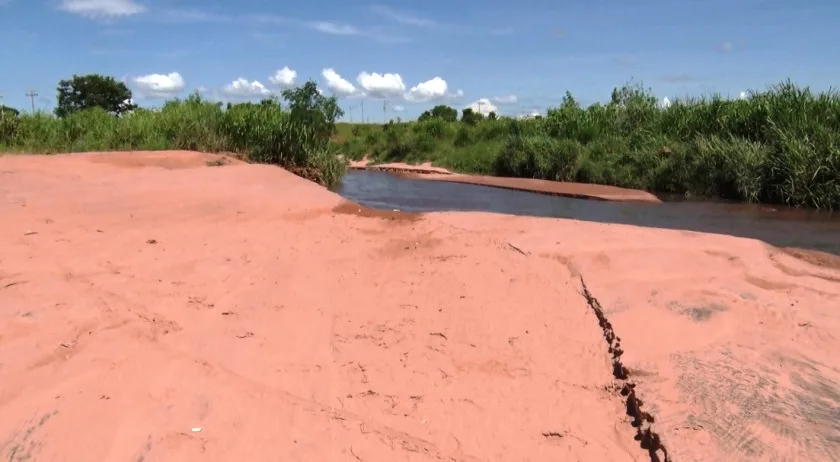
x: 350, y: 112
x: 362, y: 102
x: 384, y: 110
x: 32, y: 94
x: 479, y: 106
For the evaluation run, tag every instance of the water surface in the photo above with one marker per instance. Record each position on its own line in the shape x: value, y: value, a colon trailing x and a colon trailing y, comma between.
x: 779, y: 226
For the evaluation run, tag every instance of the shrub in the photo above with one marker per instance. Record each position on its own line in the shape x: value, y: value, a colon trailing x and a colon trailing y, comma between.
x: 298, y: 139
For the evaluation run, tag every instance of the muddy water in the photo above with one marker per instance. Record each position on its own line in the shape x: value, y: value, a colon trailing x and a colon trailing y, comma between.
x: 775, y: 225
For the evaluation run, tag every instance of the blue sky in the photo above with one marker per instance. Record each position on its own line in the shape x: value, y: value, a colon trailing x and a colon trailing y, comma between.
x: 521, y: 56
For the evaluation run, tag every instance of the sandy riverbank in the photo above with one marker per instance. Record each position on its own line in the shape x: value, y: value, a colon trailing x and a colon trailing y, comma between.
x: 426, y: 171
x: 156, y: 308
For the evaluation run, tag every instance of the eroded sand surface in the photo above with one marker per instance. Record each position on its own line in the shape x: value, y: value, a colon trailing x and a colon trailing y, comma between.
x: 138, y: 304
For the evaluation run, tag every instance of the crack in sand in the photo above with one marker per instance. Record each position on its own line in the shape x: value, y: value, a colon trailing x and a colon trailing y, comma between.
x: 642, y: 420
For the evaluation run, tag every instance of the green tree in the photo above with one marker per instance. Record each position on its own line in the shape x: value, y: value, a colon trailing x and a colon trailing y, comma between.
x: 615, y: 98
x: 492, y: 115
x: 9, y: 124
x: 270, y: 101
x: 309, y: 107
x: 441, y: 111
x: 470, y: 117
x: 631, y: 94
x: 93, y: 90
x: 7, y: 111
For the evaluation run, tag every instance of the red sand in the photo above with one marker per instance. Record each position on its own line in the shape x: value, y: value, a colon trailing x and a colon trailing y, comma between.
x: 139, y: 304
x: 426, y: 171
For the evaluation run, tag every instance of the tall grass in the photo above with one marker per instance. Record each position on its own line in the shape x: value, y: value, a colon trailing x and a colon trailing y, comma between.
x: 264, y: 132
x: 779, y: 146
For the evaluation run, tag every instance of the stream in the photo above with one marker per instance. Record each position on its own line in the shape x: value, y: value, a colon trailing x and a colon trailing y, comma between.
x: 776, y: 225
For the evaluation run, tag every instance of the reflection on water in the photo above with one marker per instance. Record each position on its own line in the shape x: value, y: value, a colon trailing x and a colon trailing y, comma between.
x: 775, y: 225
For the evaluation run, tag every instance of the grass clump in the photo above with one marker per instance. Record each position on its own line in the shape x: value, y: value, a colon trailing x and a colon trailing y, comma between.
x: 296, y: 137
x: 778, y: 146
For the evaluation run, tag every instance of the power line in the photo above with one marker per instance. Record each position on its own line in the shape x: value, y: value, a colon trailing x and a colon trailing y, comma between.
x: 32, y: 94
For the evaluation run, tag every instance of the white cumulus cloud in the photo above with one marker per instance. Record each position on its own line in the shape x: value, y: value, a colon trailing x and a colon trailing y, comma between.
x: 435, y: 89
x: 389, y: 86
x: 398, y: 108
x: 742, y: 95
x: 483, y: 106
x: 244, y: 89
x: 102, y: 8
x: 529, y: 115
x: 665, y: 102
x: 509, y: 99
x: 337, y: 84
x: 159, y: 85
x: 284, y: 77
x: 384, y: 86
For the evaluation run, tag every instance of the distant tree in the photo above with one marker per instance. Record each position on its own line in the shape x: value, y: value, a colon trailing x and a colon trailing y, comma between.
x: 470, y: 117
x: 271, y: 101
x: 9, y: 123
x: 492, y: 115
x: 93, y: 90
x: 632, y: 94
x: 441, y: 111
x: 615, y: 98
x: 308, y: 106
x: 7, y: 111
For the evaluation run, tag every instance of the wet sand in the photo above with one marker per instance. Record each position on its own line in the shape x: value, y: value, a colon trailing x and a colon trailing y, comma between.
x: 426, y: 171
x: 240, y: 312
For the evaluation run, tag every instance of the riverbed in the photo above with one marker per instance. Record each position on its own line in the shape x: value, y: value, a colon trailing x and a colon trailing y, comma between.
x: 170, y: 306
x: 776, y: 225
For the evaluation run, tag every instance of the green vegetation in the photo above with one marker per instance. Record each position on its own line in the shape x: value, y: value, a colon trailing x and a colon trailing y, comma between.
x: 94, y: 113
x: 6, y: 111
x: 778, y: 146
x: 441, y: 112
x: 92, y: 91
